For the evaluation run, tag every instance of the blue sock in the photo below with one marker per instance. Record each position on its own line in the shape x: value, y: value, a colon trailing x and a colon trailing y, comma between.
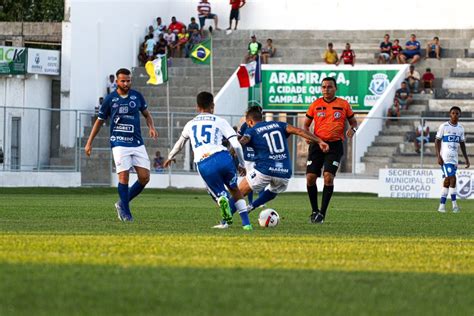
x: 241, y: 206
x: 263, y: 198
x: 443, y: 200
x: 135, y: 190
x: 123, y: 194
x: 250, y: 197
x: 233, y: 209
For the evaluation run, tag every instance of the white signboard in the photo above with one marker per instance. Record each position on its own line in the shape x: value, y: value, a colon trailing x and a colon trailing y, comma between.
x: 43, y: 62
x: 421, y: 183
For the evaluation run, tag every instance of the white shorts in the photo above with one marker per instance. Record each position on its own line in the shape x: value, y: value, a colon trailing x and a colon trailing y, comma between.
x: 259, y: 181
x: 128, y: 157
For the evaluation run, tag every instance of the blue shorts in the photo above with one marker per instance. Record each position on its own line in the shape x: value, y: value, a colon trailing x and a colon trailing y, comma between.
x: 218, y: 171
x: 449, y: 170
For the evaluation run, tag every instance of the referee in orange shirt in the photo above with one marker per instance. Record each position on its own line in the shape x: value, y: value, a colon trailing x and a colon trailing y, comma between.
x: 329, y: 114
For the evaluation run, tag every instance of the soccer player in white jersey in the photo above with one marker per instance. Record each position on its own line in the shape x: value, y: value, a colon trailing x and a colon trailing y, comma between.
x: 213, y: 160
x: 123, y: 106
x: 449, y: 138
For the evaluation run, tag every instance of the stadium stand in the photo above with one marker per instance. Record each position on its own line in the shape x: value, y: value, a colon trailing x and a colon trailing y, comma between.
x: 392, y: 148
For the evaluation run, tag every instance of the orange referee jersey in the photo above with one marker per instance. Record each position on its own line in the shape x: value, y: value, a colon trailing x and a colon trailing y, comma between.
x: 329, y: 118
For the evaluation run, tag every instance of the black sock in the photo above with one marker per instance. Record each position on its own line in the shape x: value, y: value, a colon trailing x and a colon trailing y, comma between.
x: 327, y: 193
x: 313, y: 197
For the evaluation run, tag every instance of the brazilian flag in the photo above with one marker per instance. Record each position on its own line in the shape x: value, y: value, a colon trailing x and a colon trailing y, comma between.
x: 201, y: 53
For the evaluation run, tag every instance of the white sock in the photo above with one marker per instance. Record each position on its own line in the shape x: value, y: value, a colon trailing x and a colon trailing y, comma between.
x: 444, y: 195
x: 453, y: 193
x: 241, y: 206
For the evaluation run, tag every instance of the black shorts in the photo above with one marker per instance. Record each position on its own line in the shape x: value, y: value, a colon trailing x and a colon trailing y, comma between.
x: 234, y: 14
x: 330, y: 160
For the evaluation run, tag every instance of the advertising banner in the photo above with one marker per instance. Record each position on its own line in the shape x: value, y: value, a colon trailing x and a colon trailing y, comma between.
x: 12, y: 60
x: 421, y: 183
x: 43, y: 62
x: 291, y: 90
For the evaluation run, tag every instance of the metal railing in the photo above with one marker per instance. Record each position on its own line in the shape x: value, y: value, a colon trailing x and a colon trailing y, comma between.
x: 36, y: 144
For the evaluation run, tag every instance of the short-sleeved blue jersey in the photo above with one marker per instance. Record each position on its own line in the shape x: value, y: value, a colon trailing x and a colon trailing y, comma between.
x: 124, y: 116
x: 415, y: 43
x: 249, y: 154
x: 270, y: 144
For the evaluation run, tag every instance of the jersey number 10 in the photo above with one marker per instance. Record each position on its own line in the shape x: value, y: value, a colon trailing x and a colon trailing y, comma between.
x: 275, y: 142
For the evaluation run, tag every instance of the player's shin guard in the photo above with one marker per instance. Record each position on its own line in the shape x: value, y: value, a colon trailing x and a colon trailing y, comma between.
x: 444, y: 195
x: 264, y: 197
x: 135, y: 190
x: 327, y: 194
x: 241, y: 207
x: 313, y: 197
x: 123, y: 194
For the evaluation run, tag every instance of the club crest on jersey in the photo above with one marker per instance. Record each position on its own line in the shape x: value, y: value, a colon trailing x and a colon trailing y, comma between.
x: 132, y: 104
x: 465, y: 184
x: 337, y: 115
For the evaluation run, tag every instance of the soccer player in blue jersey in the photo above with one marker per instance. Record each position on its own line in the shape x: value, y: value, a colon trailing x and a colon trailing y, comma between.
x: 123, y: 106
x: 213, y: 160
x: 272, y: 158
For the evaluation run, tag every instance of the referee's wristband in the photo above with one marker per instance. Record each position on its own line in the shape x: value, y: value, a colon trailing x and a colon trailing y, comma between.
x: 354, y: 129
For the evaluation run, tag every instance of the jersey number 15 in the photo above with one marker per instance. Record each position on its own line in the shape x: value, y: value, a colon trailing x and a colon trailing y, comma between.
x: 204, y: 137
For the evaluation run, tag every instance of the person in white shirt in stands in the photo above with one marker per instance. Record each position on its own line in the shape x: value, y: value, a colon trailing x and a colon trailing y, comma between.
x: 204, y: 13
x: 449, y: 138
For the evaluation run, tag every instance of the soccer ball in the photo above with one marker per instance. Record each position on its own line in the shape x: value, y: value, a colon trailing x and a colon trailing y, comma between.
x: 268, y: 218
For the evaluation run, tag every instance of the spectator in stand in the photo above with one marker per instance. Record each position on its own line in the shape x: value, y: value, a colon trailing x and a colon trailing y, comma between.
x: 175, y: 26
x: 150, y: 47
x: 396, y: 52
x: 142, y: 57
x: 193, y: 26
x: 158, y: 162
x: 433, y: 48
x: 427, y: 81
x: 413, y: 79
x: 204, y: 13
x: 160, y: 48
x: 393, y: 111
x: 170, y: 38
x: 151, y: 31
x: 253, y: 50
x: 193, y: 40
x: 422, y: 133
x: 111, y: 84
x: 412, y: 51
x: 268, y: 51
x: 97, y: 107
x: 183, y: 38
x: 330, y: 55
x: 404, y: 96
x: 348, y: 56
x: 385, y: 50
x: 160, y: 28
x: 235, y: 12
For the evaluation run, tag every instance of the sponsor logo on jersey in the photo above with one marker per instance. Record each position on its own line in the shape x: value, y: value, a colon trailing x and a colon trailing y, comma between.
x: 278, y: 170
x: 335, y: 163
x: 115, y: 99
x: 122, y: 139
x: 124, y: 128
x: 465, y: 184
x: 309, y: 162
x: 321, y: 114
x: 115, y: 105
x: 133, y: 97
x: 123, y: 110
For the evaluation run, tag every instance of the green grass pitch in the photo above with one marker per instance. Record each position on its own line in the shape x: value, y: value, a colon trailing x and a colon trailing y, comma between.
x: 64, y: 252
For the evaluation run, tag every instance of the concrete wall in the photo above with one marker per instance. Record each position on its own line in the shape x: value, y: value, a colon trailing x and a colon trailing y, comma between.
x: 18, y: 93
x: 40, y: 179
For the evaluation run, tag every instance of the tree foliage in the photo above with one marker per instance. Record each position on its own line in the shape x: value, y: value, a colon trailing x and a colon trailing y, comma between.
x: 32, y: 10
